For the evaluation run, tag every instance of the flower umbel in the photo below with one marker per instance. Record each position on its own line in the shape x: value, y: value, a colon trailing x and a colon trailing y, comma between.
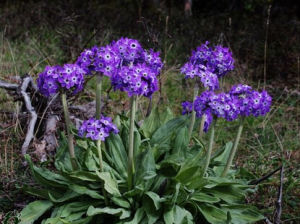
x: 97, y: 129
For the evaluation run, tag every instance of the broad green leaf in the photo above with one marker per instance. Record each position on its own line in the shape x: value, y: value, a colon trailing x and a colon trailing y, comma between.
x: 169, y: 168
x: 163, y: 134
x: 84, y: 176
x: 65, y: 197
x: 46, y: 177
x: 169, y: 216
x: 85, y: 191
x: 202, y: 197
x: 151, y: 123
x: 117, y: 152
x: 82, y: 143
x: 155, y: 120
x: 145, y: 167
x: 222, y: 158
x: 182, y: 216
x: 155, y: 198
x: 120, y: 202
x: 181, y: 142
x: 110, y: 184
x: 120, y: 212
x: 42, y: 193
x: 34, y: 210
x: 212, y: 213
x: 242, y: 214
x: 138, y: 216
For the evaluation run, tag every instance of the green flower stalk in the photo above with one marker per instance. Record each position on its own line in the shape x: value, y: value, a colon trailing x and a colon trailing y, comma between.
x: 210, y: 147
x: 131, y: 141
x: 98, y: 96
x: 69, y: 133
x: 193, y: 118
x: 201, y: 126
x: 233, y: 150
x: 98, y: 142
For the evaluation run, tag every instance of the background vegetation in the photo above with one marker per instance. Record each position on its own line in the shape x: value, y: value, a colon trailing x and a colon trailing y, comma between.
x: 36, y: 33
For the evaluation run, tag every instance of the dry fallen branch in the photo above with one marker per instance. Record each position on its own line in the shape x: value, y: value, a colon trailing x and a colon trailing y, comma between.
x: 255, y: 182
x: 21, y: 92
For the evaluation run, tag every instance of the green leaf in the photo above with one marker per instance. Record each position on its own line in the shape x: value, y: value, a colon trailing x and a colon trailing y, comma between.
x: 42, y: 193
x: 178, y: 215
x: 151, y: 123
x: 46, y: 177
x: 117, y: 152
x: 182, y: 216
x: 169, y: 216
x: 145, y: 167
x: 120, y: 202
x: 110, y: 184
x: 34, y: 210
x: 138, y: 216
x: 120, y: 212
x: 213, y: 214
x: 65, y: 197
x: 242, y: 214
x: 82, y: 143
x: 181, y: 142
x: 155, y: 198
x: 163, y: 134
x: 155, y: 120
x: 222, y: 158
x: 169, y: 168
x: 84, y: 176
x: 202, y: 197
x: 85, y: 191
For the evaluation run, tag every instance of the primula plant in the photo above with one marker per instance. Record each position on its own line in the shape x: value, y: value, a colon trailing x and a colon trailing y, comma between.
x: 159, y: 172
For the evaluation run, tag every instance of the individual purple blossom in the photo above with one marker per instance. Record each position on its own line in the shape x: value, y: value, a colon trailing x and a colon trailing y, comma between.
x: 97, y: 129
x: 187, y: 107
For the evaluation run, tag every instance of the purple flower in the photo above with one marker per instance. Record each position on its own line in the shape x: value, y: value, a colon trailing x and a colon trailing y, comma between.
x: 187, y: 107
x: 97, y: 129
x: 70, y: 77
x: 209, y: 64
x: 129, y: 66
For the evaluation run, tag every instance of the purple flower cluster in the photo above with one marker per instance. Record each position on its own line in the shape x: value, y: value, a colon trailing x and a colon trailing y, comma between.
x: 97, y: 129
x: 70, y: 77
x: 130, y: 67
x: 209, y: 64
x: 251, y: 102
x: 241, y: 100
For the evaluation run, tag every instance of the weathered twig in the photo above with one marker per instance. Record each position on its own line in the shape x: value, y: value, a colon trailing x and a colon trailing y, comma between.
x: 8, y: 86
x: 33, y: 116
x: 278, y: 204
x: 255, y: 182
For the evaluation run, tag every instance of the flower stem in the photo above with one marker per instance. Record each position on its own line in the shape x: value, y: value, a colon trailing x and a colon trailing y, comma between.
x: 201, y: 126
x: 70, y: 135
x: 101, y: 168
x: 233, y: 150
x: 131, y: 141
x: 98, y: 96
x: 210, y: 147
x: 193, y: 118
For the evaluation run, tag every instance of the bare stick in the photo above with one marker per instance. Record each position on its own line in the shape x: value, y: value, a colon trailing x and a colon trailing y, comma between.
x: 33, y: 115
x: 255, y: 182
x: 8, y: 86
x: 279, y: 200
